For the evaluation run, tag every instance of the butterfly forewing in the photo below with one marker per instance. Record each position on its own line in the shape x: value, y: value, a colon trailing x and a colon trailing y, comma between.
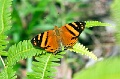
x: 70, y: 33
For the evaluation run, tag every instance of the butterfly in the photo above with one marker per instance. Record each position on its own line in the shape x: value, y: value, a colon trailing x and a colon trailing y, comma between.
x: 53, y: 40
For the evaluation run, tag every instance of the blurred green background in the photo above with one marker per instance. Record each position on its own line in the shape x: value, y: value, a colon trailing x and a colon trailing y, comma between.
x: 31, y: 17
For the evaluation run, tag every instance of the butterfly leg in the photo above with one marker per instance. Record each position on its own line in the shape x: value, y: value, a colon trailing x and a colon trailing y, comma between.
x: 68, y: 47
x: 57, y: 51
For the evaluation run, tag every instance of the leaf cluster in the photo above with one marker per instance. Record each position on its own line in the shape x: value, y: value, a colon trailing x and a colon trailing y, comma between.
x: 44, y: 65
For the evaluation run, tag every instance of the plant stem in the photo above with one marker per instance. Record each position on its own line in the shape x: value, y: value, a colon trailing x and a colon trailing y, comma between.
x: 2, y: 61
x: 29, y: 64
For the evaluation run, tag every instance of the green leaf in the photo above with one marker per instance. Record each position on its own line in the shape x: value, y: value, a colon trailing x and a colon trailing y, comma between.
x: 8, y: 73
x: 82, y: 50
x: 106, y: 69
x: 21, y: 51
x: 43, y: 68
x: 95, y: 23
x: 5, y: 15
x: 5, y: 24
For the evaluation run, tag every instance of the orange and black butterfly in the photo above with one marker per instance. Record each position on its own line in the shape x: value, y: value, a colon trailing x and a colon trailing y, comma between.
x: 66, y: 36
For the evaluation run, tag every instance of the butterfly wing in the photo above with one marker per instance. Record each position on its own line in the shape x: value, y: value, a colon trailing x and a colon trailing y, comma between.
x: 67, y: 35
x: 70, y: 33
x: 47, y: 40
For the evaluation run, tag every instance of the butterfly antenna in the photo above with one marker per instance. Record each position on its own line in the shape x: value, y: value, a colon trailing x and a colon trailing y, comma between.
x: 57, y: 22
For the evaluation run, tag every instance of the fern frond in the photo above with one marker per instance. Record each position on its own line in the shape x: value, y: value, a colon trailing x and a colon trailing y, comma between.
x: 82, y: 50
x: 4, y: 23
x: 5, y: 15
x: 3, y: 44
x: 95, y: 23
x: 7, y: 73
x: 20, y: 51
x: 44, y: 67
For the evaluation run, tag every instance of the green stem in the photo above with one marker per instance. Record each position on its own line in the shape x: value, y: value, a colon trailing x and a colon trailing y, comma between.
x: 2, y: 61
x: 29, y: 64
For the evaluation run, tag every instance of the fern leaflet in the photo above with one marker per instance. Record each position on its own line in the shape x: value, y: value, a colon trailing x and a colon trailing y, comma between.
x: 4, y: 22
x: 82, y: 50
x: 7, y: 73
x: 20, y: 51
x: 95, y: 23
x: 44, y: 67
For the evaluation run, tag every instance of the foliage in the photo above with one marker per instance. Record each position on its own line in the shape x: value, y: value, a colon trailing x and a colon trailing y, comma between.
x: 21, y: 51
x: 29, y: 17
x: 7, y: 73
x: 44, y: 65
x: 108, y: 68
x: 77, y: 48
x: 4, y: 23
x: 115, y: 10
x: 95, y: 23
x: 105, y: 69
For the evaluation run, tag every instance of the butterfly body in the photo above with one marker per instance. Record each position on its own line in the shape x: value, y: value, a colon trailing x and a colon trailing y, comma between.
x: 52, y: 40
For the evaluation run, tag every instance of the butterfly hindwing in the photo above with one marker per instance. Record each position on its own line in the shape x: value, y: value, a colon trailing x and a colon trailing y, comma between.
x: 52, y: 42
x: 46, y: 40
